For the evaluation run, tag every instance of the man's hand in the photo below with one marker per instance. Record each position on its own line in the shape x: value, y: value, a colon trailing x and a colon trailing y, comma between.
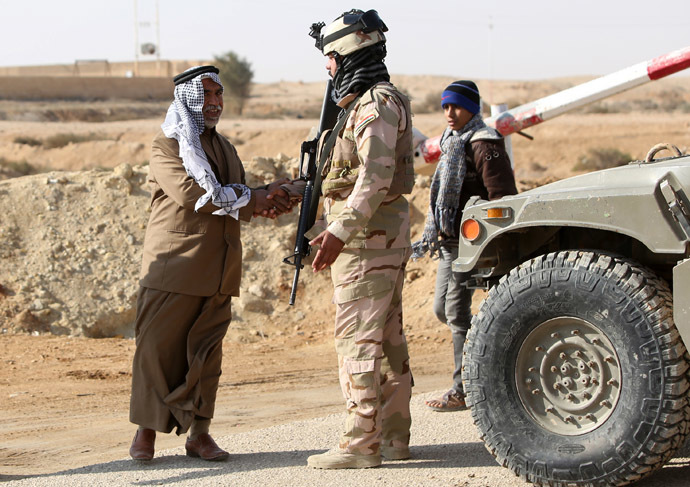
x: 331, y: 246
x: 273, y: 201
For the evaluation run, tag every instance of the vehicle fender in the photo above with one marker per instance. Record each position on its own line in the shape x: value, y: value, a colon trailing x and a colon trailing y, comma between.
x: 681, y: 300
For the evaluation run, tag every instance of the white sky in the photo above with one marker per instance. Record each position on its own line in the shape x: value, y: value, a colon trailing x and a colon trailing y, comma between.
x: 529, y: 39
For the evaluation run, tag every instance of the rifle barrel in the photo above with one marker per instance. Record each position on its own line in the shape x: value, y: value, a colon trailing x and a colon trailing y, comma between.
x: 295, y: 279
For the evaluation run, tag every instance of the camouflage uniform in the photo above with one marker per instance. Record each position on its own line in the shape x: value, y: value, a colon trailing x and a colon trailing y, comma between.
x: 369, y: 169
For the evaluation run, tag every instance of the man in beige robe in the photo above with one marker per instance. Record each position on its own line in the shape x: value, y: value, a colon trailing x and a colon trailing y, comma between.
x: 191, y: 267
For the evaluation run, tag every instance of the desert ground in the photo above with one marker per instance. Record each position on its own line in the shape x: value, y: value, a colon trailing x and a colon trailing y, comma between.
x: 71, y: 229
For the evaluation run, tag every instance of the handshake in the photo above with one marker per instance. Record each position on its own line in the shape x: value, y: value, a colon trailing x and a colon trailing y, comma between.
x: 278, y: 198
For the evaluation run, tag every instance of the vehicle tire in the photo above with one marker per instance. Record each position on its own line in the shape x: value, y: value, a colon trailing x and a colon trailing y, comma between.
x: 575, y: 373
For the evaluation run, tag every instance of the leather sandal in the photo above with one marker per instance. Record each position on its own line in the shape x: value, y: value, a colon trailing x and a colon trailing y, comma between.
x: 450, y: 401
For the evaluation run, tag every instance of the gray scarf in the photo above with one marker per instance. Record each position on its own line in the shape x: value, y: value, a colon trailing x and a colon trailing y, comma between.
x: 444, y: 194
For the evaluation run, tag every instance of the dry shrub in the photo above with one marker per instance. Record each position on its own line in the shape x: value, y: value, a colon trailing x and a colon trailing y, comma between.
x: 535, y: 166
x: 602, y: 158
x: 16, y: 168
x: 597, y: 108
x: 671, y: 100
x: 61, y: 140
x: 620, y: 106
x: 30, y: 141
x: 430, y: 104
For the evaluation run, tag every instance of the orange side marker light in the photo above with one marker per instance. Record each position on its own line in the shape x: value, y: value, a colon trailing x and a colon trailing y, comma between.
x: 470, y: 229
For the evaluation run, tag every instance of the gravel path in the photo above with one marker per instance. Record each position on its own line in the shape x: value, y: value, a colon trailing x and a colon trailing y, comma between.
x: 445, y: 447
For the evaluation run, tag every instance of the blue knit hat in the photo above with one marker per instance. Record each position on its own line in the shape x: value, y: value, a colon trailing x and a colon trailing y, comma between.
x: 462, y: 93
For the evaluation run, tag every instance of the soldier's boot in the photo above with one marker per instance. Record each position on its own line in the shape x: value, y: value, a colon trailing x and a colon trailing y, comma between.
x: 395, y: 452
x: 339, y: 458
x: 359, y: 444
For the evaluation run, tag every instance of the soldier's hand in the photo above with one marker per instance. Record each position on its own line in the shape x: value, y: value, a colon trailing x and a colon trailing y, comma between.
x: 295, y: 189
x: 277, y: 183
x: 330, y: 248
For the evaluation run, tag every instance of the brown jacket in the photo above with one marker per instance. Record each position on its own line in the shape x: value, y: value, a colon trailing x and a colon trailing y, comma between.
x: 188, y: 252
x: 489, y: 174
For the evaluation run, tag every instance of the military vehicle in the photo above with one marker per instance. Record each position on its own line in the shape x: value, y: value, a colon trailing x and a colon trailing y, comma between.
x: 576, y: 366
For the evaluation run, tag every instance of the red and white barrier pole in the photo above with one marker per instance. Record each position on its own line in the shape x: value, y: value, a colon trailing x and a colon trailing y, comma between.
x: 533, y: 113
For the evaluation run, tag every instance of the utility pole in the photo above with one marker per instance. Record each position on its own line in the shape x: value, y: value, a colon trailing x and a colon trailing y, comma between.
x: 158, y: 41
x: 152, y: 44
x: 136, y: 38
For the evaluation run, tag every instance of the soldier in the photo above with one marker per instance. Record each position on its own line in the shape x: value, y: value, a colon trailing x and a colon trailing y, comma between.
x: 367, y: 241
x: 473, y: 162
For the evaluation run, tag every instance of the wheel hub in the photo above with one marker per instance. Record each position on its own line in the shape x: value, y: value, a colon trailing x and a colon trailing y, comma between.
x: 568, y: 376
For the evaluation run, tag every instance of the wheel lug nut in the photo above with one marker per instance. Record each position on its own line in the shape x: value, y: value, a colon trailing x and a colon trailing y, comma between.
x: 554, y: 369
x: 562, y: 355
x: 612, y: 382
x: 532, y: 369
x: 569, y: 419
x: 586, y: 395
x: 575, y: 332
x: 605, y: 404
x: 550, y: 409
x: 591, y: 417
x: 591, y: 363
x: 529, y: 381
x: 539, y: 348
x: 578, y: 353
x: 608, y: 359
x: 555, y: 335
x: 596, y: 341
x: 536, y: 392
x: 570, y: 397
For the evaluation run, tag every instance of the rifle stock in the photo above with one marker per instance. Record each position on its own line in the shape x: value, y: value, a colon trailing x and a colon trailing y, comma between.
x: 312, y: 190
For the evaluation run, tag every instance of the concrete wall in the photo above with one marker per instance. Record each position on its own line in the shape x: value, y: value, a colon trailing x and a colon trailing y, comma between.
x: 92, y: 80
x: 81, y: 88
x: 96, y: 67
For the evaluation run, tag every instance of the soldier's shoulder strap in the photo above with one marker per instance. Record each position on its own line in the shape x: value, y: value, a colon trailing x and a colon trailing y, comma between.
x: 328, y: 142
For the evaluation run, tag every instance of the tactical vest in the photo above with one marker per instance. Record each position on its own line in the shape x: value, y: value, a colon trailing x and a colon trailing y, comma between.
x: 340, y: 173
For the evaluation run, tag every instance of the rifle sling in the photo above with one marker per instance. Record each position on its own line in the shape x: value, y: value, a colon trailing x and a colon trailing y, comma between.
x: 325, y: 152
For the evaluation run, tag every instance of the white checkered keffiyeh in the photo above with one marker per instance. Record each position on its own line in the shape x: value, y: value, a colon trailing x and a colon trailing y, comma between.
x: 185, y: 122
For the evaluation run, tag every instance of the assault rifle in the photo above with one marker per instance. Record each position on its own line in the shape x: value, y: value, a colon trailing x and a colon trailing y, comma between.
x: 308, y: 171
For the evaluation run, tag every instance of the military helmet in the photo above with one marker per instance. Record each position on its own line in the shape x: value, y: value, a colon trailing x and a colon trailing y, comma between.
x: 352, y: 31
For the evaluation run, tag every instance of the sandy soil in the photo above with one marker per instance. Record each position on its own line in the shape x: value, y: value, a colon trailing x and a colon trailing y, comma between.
x: 65, y: 399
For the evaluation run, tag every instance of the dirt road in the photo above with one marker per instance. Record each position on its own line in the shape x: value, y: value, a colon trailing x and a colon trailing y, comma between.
x: 65, y: 423
x: 66, y: 400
